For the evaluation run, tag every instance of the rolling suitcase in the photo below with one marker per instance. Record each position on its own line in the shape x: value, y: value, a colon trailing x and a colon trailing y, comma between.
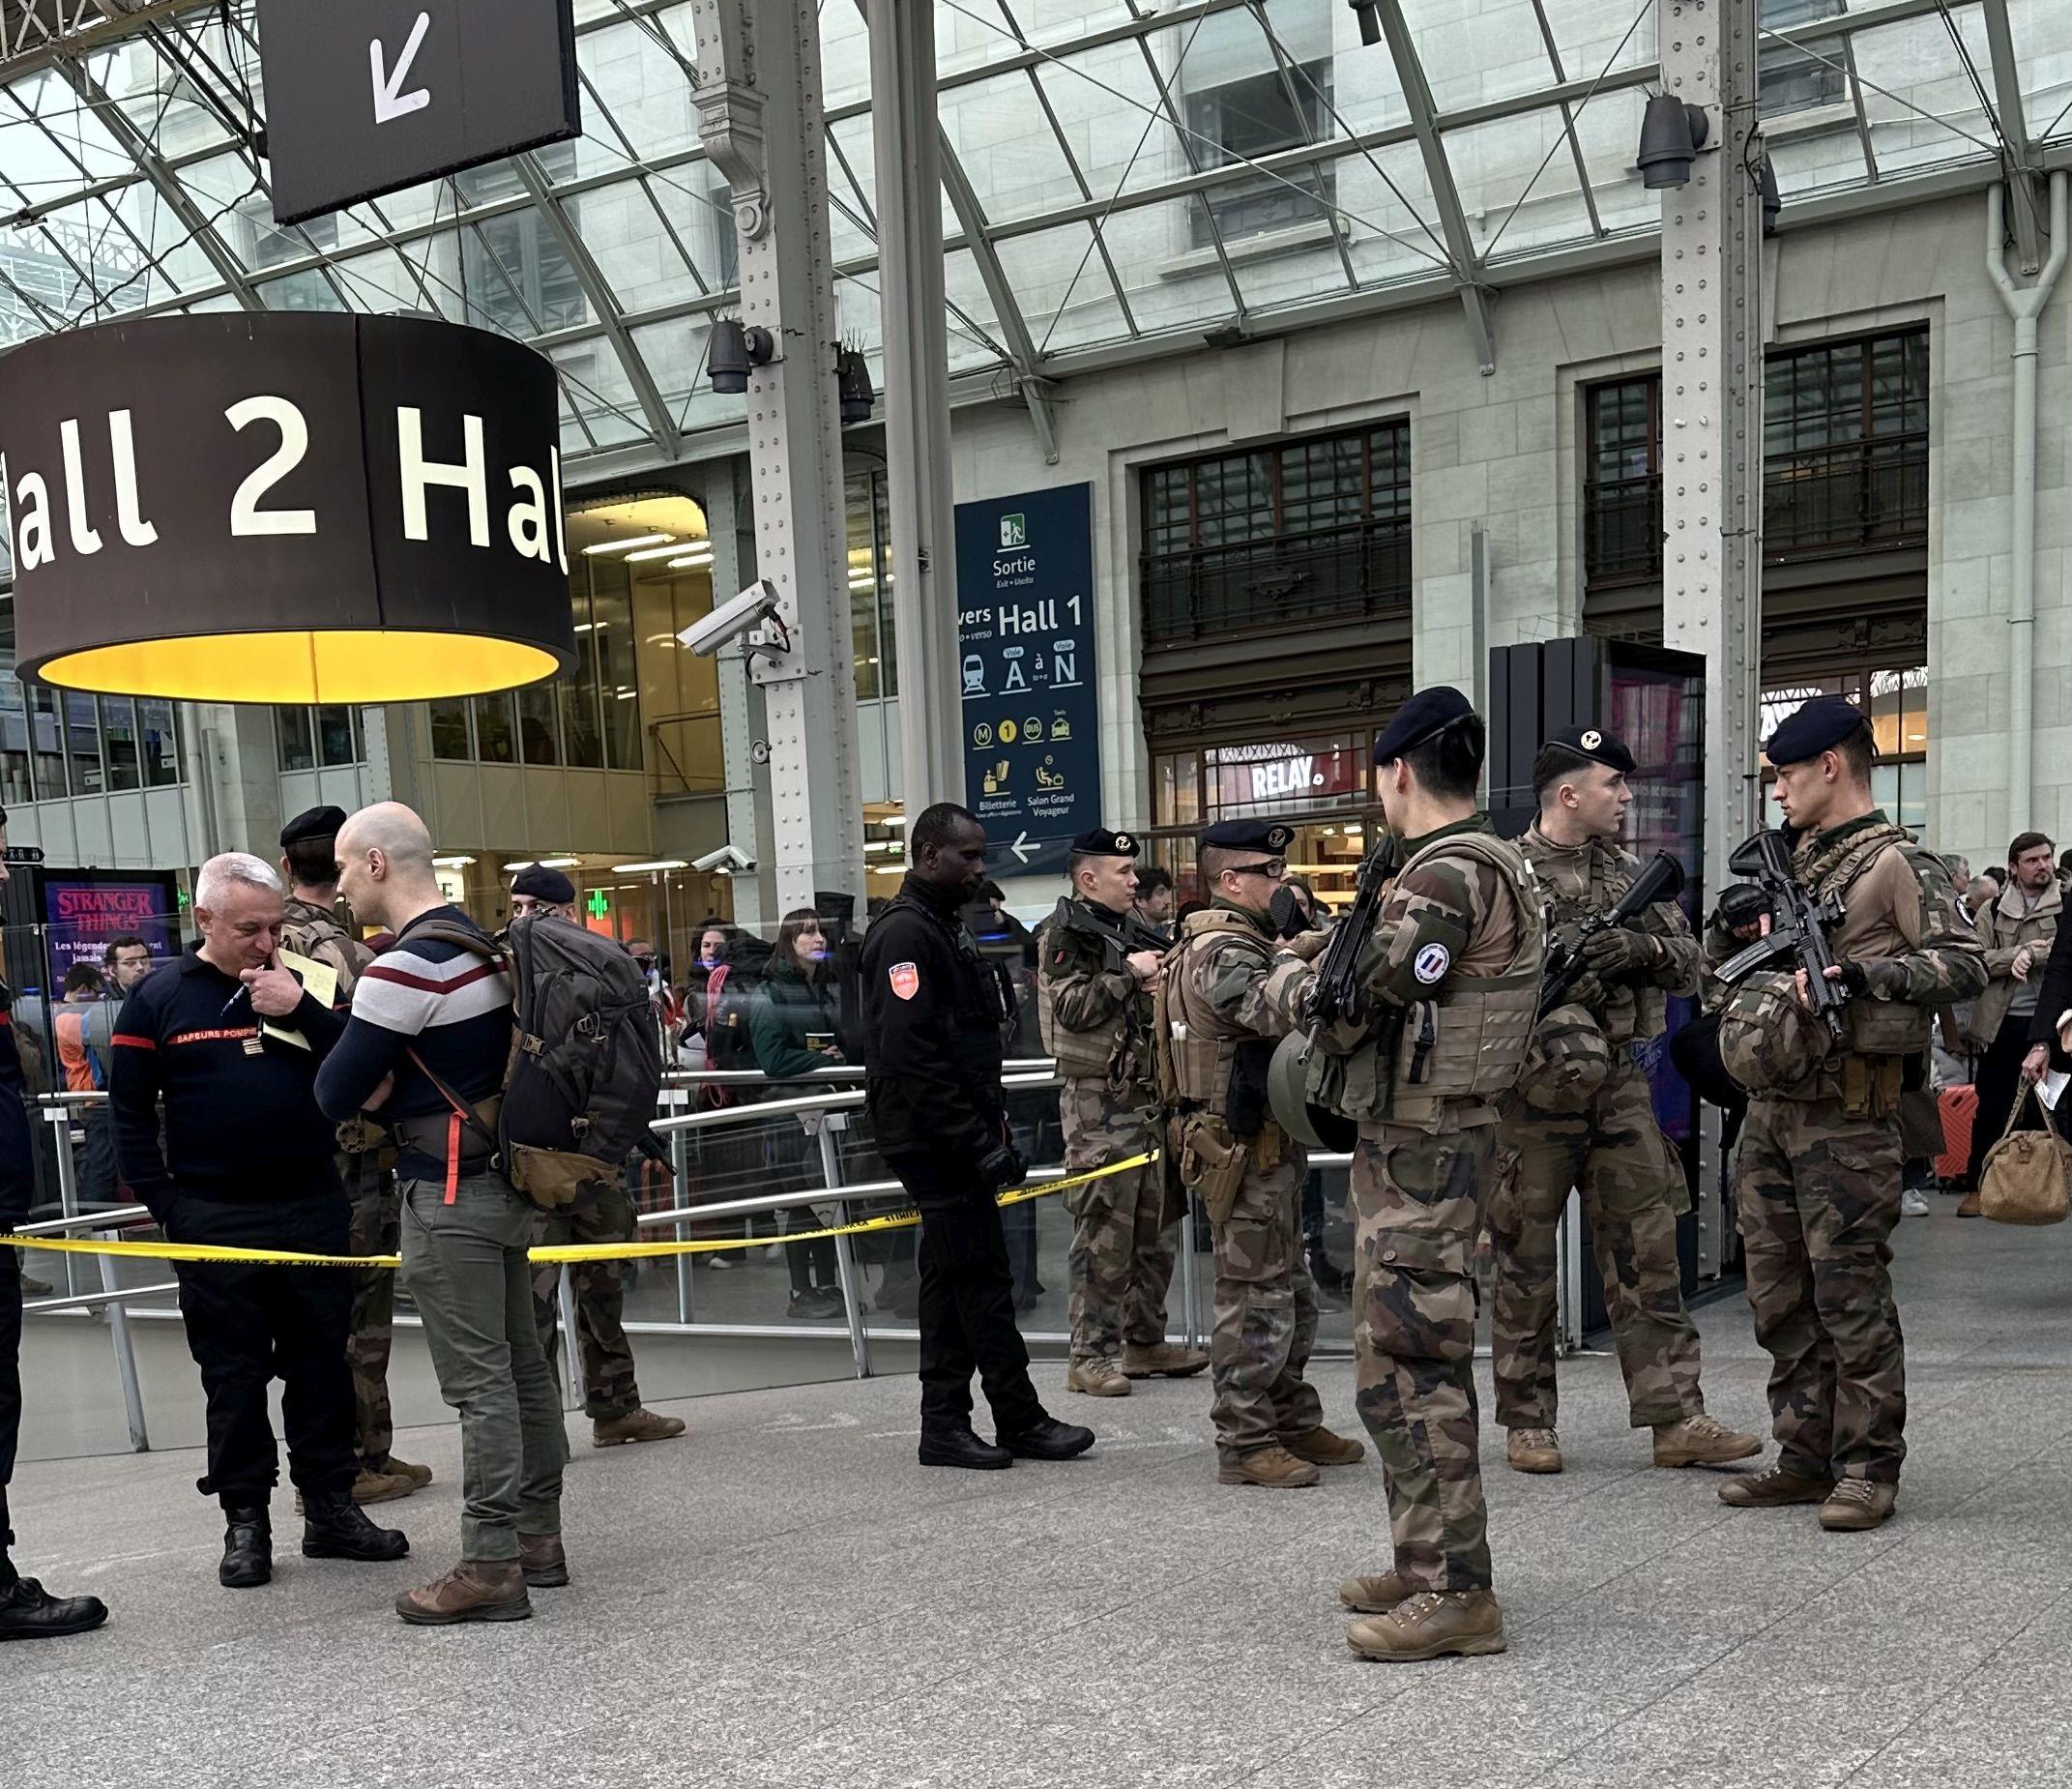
x: 1960, y: 1108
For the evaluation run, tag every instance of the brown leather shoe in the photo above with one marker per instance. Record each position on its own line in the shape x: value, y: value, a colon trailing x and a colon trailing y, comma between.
x: 1533, y: 1450
x: 1097, y: 1378
x: 1970, y: 1207
x: 1702, y: 1440
x: 477, y: 1590
x: 1319, y: 1447
x: 1167, y: 1358
x: 635, y: 1426
x: 1429, y: 1625
x: 1271, y: 1466
x: 1374, y: 1595
x: 1858, y: 1504
x: 1773, y: 1490
x: 542, y: 1561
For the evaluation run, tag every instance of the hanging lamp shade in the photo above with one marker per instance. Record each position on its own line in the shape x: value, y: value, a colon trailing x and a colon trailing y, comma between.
x: 292, y: 507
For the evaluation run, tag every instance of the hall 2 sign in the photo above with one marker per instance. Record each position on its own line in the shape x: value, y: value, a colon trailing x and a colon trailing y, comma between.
x: 245, y: 474
x: 533, y: 525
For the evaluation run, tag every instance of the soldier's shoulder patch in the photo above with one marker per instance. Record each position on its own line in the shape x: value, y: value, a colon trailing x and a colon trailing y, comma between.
x: 905, y: 979
x: 1432, y: 963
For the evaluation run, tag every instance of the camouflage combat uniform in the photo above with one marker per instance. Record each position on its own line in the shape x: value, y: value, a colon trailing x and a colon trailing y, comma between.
x: 367, y: 1175
x: 1096, y: 1022
x: 1458, y: 944
x: 1631, y: 1181
x: 1216, y: 998
x: 1817, y: 1180
x: 603, y: 1215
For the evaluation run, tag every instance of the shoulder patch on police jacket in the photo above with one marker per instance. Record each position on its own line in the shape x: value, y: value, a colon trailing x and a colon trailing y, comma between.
x: 905, y: 979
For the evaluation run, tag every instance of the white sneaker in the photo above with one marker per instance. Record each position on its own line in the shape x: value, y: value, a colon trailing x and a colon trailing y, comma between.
x: 719, y: 1264
x: 1914, y: 1203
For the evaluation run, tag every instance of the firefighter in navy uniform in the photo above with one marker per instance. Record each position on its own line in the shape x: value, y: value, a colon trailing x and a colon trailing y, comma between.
x: 932, y: 1017
x: 27, y: 1611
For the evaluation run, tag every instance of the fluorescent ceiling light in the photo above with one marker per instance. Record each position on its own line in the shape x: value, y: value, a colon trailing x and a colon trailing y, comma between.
x: 511, y: 869
x: 619, y: 547
x: 655, y: 553
x: 659, y: 865
x: 451, y: 863
x: 559, y: 863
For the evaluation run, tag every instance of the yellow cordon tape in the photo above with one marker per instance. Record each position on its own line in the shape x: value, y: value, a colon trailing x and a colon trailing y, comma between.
x: 553, y: 1256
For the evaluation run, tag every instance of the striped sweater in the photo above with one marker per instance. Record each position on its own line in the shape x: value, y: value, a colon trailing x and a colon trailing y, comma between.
x: 427, y: 996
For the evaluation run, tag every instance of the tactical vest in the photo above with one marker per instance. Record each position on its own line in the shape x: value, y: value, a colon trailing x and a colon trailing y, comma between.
x: 1195, y: 1045
x: 1869, y: 1027
x: 1467, y: 1042
x: 1626, y: 1011
x: 1111, y: 1052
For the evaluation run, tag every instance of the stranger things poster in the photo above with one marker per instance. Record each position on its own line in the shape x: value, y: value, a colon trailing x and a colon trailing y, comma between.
x: 83, y: 909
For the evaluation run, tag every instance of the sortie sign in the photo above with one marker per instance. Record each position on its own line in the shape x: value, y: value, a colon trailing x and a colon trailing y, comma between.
x: 367, y: 96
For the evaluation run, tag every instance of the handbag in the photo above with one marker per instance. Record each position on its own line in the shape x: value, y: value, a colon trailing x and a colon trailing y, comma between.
x: 2024, y: 1176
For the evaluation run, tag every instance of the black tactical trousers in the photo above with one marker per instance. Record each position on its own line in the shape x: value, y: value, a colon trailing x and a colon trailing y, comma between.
x: 967, y: 1300
x: 9, y: 1389
x: 248, y: 1324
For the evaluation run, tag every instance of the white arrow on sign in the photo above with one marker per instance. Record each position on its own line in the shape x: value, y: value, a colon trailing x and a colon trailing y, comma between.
x: 390, y: 99
x: 1023, y: 849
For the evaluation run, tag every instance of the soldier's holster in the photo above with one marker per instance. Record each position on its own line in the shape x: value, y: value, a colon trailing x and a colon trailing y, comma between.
x: 1211, y: 1161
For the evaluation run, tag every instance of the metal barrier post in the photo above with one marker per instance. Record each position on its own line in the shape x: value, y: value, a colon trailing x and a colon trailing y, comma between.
x: 845, y: 1268
x: 680, y: 1181
x: 1187, y: 1293
x: 132, y: 1395
x: 572, y: 1355
x: 59, y: 1118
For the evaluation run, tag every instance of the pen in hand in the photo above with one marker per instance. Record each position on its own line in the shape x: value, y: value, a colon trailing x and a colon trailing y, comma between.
x: 225, y: 1011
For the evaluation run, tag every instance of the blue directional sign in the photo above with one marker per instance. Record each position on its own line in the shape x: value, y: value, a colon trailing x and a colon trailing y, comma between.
x: 1032, y: 712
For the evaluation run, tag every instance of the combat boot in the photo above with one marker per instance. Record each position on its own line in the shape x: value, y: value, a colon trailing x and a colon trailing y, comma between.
x: 1045, y: 1439
x: 635, y: 1426
x: 376, y: 1484
x: 477, y: 1590
x: 543, y: 1561
x: 1319, y: 1447
x: 1702, y: 1440
x: 1271, y: 1466
x: 1429, y: 1625
x: 1099, y: 1377
x: 1773, y: 1490
x: 247, y: 1549
x: 1375, y: 1595
x: 30, y: 1612
x: 1166, y: 1358
x: 335, y: 1527
x: 418, y: 1476
x: 1533, y: 1450
x: 1858, y: 1504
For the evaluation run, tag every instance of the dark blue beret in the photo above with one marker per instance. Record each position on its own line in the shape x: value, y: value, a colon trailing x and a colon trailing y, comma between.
x: 1812, y: 728
x: 543, y: 884
x: 1101, y: 842
x: 317, y: 823
x: 1596, y: 745
x: 1428, y: 713
x: 1274, y: 836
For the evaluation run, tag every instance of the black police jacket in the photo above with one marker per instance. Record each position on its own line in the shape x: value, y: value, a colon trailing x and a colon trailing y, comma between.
x: 932, y: 1021
x: 17, y: 1172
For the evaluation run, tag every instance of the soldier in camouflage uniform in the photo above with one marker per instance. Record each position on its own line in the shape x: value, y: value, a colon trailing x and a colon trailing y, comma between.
x: 1817, y: 1180
x: 1093, y: 1008
x: 365, y: 1161
x: 1605, y: 1141
x: 1449, y: 981
x: 599, y: 1214
x: 1215, y: 1027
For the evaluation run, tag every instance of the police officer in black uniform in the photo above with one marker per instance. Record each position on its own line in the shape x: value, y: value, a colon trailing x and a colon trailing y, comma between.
x: 27, y: 1611
x: 932, y: 1017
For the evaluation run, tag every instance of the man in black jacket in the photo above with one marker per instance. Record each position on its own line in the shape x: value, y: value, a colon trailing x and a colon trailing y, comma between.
x: 27, y: 1611
x: 248, y: 1164
x: 2053, y: 999
x: 932, y: 1019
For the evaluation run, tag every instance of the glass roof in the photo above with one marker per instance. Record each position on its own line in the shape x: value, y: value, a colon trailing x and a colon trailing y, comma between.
x: 1119, y: 170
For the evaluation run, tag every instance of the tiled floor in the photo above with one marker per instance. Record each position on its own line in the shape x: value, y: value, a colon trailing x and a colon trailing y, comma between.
x: 784, y: 1600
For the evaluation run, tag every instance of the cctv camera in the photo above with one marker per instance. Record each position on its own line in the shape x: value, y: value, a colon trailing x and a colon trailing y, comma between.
x: 728, y: 860
x: 731, y: 620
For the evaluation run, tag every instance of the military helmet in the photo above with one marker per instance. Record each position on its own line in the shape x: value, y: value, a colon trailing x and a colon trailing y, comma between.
x: 1567, y: 1062
x: 1315, y: 1126
x: 1769, y: 1038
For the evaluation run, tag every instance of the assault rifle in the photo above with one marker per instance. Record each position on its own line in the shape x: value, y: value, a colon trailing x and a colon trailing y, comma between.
x: 1565, y: 966
x: 1798, y: 936
x: 1119, y: 937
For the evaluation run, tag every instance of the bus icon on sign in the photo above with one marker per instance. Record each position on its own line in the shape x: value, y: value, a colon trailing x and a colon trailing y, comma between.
x: 1014, y: 531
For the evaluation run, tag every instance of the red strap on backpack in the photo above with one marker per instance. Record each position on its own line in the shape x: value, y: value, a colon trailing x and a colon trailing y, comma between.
x: 452, y: 1156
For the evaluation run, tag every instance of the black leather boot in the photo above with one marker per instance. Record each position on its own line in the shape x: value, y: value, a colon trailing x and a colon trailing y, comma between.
x: 1047, y: 1439
x: 335, y: 1527
x: 247, y: 1549
x: 29, y: 1612
x: 956, y: 1445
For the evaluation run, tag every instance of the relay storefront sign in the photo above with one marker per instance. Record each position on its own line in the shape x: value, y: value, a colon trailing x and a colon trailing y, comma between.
x: 285, y: 509
x: 1284, y: 776
x: 84, y: 909
x: 1031, y: 706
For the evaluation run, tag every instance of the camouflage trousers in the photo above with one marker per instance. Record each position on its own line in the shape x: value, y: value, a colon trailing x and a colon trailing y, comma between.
x: 610, y: 1389
x: 376, y: 1202
x: 1818, y: 1195
x: 1265, y: 1314
x: 1124, y: 1236
x: 1417, y: 1205
x: 1631, y: 1184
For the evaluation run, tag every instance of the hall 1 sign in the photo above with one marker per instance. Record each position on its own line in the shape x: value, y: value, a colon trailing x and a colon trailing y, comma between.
x: 368, y: 97
x: 1031, y: 704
